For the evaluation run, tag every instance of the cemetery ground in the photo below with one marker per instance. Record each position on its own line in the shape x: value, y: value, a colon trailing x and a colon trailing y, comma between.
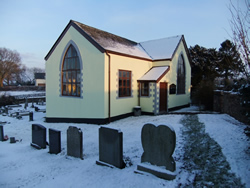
x: 211, y: 151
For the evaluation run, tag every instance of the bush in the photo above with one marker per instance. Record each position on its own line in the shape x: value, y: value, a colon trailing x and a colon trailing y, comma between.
x: 204, y: 95
x: 6, y: 100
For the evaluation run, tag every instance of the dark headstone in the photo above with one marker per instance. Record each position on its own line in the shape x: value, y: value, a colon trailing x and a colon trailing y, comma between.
x: 74, y: 142
x: 38, y: 136
x: 32, y: 106
x: 158, y: 144
x: 12, y: 140
x: 54, y: 141
x: 1, y: 133
x: 6, y: 110
x: 36, y: 109
x: 26, y: 103
x: 111, y: 147
x: 31, y: 116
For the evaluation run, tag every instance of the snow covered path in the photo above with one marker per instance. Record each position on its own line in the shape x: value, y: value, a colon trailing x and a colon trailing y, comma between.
x: 227, y: 132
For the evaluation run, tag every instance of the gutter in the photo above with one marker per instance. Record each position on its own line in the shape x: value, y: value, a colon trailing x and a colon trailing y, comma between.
x: 109, y: 93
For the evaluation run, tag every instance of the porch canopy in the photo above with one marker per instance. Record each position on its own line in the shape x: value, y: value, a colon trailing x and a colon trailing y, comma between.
x: 154, y: 74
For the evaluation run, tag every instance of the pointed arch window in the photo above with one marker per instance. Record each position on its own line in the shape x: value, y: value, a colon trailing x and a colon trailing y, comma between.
x: 71, y: 73
x: 181, y: 76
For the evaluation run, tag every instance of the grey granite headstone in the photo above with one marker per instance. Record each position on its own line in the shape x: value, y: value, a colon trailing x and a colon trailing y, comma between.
x: 1, y: 133
x: 158, y: 144
x: 110, y: 147
x: 54, y: 141
x: 38, y: 136
x: 74, y: 142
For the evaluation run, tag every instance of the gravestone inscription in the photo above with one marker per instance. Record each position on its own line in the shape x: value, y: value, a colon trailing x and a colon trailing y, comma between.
x: 110, y: 147
x: 38, y: 136
x: 54, y: 141
x: 158, y: 144
x: 74, y: 142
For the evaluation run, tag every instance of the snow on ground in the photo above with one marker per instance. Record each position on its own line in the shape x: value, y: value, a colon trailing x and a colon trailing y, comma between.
x: 23, y: 166
x: 227, y: 132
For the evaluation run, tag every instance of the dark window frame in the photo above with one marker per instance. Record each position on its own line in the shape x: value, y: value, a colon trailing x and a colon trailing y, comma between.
x: 144, y: 90
x: 71, y: 73
x: 124, y: 83
x: 181, y: 76
x: 172, y: 89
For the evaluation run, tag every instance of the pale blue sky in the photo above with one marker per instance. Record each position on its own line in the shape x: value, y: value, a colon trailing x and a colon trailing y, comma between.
x: 32, y: 26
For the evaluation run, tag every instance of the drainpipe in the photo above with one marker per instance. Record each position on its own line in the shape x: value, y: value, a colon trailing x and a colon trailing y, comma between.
x: 109, y: 101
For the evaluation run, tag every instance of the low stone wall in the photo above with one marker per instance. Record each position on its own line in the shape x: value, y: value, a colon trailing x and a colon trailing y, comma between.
x: 229, y: 103
x: 22, y: 88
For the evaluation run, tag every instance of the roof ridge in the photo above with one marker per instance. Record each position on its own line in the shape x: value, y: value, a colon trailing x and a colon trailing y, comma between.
x: 162, y: 38
x: 99, y: 30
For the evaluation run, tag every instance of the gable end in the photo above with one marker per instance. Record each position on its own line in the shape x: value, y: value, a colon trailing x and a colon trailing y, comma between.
x: 71, y: 23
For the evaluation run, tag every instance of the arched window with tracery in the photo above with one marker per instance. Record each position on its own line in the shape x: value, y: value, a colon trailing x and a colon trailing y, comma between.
x: 71, y: 73
x: 181, y: 76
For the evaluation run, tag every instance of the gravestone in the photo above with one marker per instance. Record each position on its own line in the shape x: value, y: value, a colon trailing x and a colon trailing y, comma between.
x: 12, y: 140
x: 74, y: 142
x: 110, y: 147
x: 31, y: 116
x: 38, y: 136
x: 1, y: 133
x: 26, y: 103
x: 158, y: 144
x: 6, y: 110
x: 54, y: 141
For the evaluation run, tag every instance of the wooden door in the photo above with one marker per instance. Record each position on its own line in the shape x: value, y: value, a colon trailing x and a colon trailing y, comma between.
x: 163, y: 96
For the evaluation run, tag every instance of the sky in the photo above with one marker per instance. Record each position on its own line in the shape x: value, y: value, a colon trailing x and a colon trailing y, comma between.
x: 31, y: 27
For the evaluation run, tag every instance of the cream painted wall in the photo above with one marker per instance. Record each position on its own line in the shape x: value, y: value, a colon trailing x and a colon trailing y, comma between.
x: 40, y: 81
x: 171, y: 78
x: 138, y: 67
x: 91, y: 104
x: 147, y: 102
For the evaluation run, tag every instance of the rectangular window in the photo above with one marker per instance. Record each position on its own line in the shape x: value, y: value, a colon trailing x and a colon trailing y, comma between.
x: 144, y: 89
x: 124, y: 83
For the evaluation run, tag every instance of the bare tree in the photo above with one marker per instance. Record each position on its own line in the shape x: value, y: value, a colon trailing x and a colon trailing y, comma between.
x: 240, y: 24
x: 10, y: 64
x: 29, y: 74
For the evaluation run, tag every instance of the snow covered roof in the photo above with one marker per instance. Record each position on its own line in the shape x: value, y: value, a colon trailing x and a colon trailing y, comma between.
x: 161, y: 48
x: 114, y: 43
x: 155, y: 74
x: 107, y: 42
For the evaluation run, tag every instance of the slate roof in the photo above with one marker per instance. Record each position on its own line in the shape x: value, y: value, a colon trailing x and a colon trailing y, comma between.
x: 114, y: 43
x: 160, y: 49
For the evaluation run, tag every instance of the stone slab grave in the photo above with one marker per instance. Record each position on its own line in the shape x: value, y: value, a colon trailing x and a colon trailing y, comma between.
x: 39, y: 110
x: 1, y: 133
x: 38, y: 136
x: 110, y: 147
x: 74, y: 142
x: 158, y: 143
x: 54, y: 141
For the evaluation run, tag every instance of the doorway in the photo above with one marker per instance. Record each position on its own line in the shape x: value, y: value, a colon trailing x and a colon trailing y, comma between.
x: 163, y: 97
